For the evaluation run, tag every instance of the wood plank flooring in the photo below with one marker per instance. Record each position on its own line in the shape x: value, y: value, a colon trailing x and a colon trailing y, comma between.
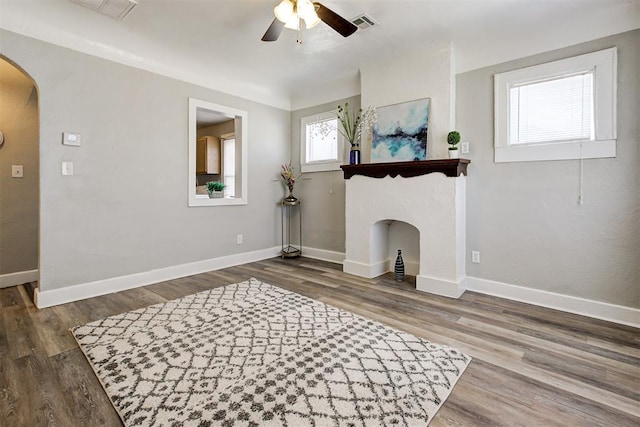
x: 531, y: 366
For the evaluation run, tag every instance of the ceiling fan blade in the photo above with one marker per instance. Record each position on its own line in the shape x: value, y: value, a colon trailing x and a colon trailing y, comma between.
x: 335, y: 21
x: 273, y: 32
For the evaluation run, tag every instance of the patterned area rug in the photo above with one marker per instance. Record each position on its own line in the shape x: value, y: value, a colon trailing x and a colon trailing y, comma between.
x: 252, y: 354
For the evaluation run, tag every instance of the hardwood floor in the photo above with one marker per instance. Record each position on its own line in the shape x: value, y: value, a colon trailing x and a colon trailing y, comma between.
x: 531, y: 366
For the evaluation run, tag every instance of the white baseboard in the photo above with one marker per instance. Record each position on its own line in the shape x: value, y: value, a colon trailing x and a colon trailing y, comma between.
x: 590, y: 308
x: 365, y: 270
x: 445, y: 288
x: 18, y: 278
x: 379, y: 268
x: 596, y: 309
x: 585, y: 307
x: 116, y: 284
x: 323, y: 255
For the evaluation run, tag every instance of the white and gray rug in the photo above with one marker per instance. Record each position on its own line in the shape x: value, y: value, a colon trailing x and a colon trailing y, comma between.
x: 252, y: 354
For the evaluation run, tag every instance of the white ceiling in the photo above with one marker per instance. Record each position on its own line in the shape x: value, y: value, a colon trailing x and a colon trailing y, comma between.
x: 216, y: 43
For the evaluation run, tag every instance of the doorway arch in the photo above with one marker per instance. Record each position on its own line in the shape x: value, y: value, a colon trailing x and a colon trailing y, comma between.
x: 20, y: 176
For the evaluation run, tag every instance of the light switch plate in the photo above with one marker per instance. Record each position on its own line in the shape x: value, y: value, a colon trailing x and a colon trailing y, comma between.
x: 17, y: 171
x: 73, y: 139
x: 464, y: 147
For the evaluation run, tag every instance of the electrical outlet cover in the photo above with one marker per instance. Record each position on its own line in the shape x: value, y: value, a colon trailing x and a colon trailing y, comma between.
x: 17, y: 171
x: 67, y: 168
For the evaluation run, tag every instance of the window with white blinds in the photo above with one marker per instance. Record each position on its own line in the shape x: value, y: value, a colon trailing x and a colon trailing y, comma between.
x: 559, y: 110
x: 554, y: 110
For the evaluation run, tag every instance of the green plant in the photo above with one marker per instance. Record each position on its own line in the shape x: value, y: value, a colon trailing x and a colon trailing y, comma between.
x: 215, y: 186
x: 453, y: 138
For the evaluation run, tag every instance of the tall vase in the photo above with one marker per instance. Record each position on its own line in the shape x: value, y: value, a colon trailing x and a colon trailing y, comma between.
x: 354, y: 157
x: 399, y: 268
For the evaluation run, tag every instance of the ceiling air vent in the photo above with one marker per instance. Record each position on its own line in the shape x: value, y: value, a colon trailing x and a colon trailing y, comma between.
x: 117, y: 9
x: 363, y: 21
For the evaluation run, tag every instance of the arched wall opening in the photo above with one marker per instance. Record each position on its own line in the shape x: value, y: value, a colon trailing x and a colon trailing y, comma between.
x: 19, y: 176
x: 387, y: 236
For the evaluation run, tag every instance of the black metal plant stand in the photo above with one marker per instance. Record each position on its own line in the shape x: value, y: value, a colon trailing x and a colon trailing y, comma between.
x: 291, y: 212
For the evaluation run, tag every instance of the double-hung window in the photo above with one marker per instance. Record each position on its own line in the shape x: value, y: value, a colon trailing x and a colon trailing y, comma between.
x: 322, y: 146
x: 560, y: 110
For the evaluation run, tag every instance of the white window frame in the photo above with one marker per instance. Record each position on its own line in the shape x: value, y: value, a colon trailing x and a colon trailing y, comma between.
x: 604, y: 65
x: 325, y: 165
x: 223, y: 155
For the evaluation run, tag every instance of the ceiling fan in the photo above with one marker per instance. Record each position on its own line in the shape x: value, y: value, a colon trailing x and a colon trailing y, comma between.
x: 290, y: 12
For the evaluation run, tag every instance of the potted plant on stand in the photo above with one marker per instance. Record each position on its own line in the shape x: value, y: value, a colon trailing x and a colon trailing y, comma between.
x: 453, y: 139
x: 215, y: 189
x: 351, y: 128
x: 288, y: 179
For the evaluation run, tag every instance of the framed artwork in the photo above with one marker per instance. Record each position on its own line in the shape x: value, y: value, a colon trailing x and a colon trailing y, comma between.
x: 400, y: 132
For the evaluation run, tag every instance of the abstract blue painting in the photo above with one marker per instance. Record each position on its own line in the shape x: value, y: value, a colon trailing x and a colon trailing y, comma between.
x: 400, y: 132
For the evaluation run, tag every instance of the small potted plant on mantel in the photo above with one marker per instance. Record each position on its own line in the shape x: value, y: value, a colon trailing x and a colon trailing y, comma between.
x: 453, y: 139
x: 215, y: 189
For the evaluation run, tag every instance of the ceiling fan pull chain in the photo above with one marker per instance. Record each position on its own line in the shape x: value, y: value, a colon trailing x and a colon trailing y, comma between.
x: 299, y: 37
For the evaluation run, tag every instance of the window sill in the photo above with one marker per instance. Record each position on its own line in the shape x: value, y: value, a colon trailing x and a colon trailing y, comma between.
x: 204, y: 200
x: 321, y: 167
x: 556, y: 151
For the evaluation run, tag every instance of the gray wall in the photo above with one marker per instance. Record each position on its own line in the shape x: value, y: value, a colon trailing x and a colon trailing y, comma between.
x: 321, y: 193
x: 524, y: 217
x: 125, y: 209
x: 18, y: 196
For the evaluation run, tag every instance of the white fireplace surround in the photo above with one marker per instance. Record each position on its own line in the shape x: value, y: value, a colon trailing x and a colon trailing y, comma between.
x: 432, y: 203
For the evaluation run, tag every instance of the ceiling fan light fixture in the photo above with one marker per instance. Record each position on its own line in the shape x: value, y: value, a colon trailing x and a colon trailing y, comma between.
x: 312, y: 22
x: 290, y: 12
x: 293, y: 23
x: 307, y: 11
x: 284, y: 12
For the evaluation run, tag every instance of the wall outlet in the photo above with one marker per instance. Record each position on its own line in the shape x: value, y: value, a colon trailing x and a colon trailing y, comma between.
x: 239, y: 239
x: 464, y: 147
x: 475, y: 257
x: 17, y: 171
x: 67, y: 168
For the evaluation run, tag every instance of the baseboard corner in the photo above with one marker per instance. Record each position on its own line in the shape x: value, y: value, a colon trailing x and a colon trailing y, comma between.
x: 323, y: 255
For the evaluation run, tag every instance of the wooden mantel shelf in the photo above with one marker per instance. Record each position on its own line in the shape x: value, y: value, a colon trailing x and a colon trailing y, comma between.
x: 449, y: 167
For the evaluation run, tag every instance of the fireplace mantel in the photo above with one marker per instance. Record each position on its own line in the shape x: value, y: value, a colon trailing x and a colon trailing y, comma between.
x: 408, y: 192
x: 449, y: 167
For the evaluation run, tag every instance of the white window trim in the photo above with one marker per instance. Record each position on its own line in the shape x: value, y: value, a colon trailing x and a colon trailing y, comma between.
x: 321, y: 166
x: 605, y: 64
